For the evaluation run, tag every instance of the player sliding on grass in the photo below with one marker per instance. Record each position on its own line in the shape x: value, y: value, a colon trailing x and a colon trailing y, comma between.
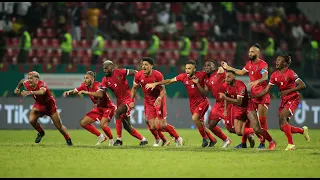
x: 286, y: 80
x: 102, y: 111
x: 45, y: 105
x: 199, y: 104
x: 154, y: 102
x: 115, y: 79
x: 243, y: 109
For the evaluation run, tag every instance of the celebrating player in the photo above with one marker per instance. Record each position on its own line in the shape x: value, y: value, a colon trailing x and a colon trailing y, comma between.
x: 215, y: 83
x: 115, y: 79
x: 243, y: 109
x: 154, y: 101
x: 103, y: 108
x: 286, y: 80
x: 199, y: 104
x: 45, y: 105
x: 258, y: 74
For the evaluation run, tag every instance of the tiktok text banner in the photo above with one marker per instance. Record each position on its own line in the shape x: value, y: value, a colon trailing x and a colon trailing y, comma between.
x: 14, y: 113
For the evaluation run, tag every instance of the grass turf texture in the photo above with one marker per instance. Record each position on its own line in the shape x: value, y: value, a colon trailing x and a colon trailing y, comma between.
x: 21, y: 157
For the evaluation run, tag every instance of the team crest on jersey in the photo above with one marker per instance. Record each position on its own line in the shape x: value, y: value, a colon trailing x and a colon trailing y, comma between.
x: 242, y: 92
x: 109, y: 83
x: 192, y: 85
x: 212, y: 82
x: 142, y: 80
x: 187, y: 82
x: 118, y: 77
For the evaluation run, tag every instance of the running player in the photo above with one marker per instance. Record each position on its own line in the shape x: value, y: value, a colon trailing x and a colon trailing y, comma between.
x: 258, y: 74
x: 115, y: 80
x: 45, y: 105
x: 286, y: 80
x: 154, y: 101
x: 102, y: 111
x: 199, y: 104
x: 243, y: 109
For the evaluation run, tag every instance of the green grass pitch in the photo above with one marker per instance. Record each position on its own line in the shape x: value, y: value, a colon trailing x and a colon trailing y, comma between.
x: 21, y: 157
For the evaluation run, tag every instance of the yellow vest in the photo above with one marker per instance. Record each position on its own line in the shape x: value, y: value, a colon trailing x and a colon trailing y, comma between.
x: 155, y: 46
x: 99, y: 49
x: 27, y: 43
x: 187, y: 49
x: 204, y: 51
x: 66, y: 46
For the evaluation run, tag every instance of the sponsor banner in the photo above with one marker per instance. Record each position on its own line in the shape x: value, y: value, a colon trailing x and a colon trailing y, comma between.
x: 60, y: 81
x: 14, y: 113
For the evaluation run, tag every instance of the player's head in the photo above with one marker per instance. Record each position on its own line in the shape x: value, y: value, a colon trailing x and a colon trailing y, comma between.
x: 254, y: 52
x: 108, y: 68
x: 191, y: 68
x: 33, y: 77
x: 283, y: 61
x: 211, y: 66
x: 147, y: 65
x: 89, y: 78
x: 230, y: 77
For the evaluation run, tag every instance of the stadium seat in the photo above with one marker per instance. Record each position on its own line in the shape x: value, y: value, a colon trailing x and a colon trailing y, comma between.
x: 143, y: 44
x: 35, y: 42
x: 179, y: 25
x: 196, y: 26
x: 257, y: 17
x: 124, y: 44
x: 55, y: 43
x: 193, y: 55
x: 40, y: 33
x: 50, y: 33
x: 44, y: 43
x: 134, y: 44
x: 307, y: 28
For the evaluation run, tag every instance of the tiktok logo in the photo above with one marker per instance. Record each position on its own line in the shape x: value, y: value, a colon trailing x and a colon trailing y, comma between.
x: 301, y: 114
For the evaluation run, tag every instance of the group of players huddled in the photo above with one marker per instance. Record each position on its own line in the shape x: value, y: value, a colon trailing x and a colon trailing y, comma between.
x: 244, y: 114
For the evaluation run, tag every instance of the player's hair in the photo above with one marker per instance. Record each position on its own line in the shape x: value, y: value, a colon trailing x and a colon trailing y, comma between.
x: 257, y: 45
x: 107, y: 62
x: 148, y: 59
x: 286, y: 57
x: 191, y: 62
x: 215, y: 62
x: 91, y: 73
x: 230, y: 71
x: 34, y: 74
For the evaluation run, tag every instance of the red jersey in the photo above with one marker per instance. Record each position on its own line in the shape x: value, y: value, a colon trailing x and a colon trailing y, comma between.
x: 255, y: 71
x: 103, y: 102
x: 195, y: 97
x: 216, y: 83
x: 141, y: 79
x: 40, y: 99
x: 285, y: 80
x: 118, y: 84
x: 238, y: 89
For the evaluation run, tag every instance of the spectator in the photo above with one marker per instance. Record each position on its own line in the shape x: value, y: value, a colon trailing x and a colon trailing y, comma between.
x: 316, y: 31
x: 66, y: 46
x: 93, y: 20
x: 97, y: 47
x: 298, y: 34
x: 23, y: 8
x: 76, y: 22
x: 25, y: 45
x: 131, y: 29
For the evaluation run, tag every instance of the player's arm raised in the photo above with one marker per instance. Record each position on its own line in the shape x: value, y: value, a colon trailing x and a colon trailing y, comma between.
x: 204, y: 91
x: 17, y: 89
x: 164, y: 82
x: 70, y: 92
x: 131, y: 72
x: 237, y: 71
x: 264, y: 77
x: 41, y: 91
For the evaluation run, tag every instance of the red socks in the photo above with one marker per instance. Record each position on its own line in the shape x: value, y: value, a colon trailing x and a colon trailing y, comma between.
x: 162, y: 136
x: 266, y: 135
x: 39, y: 129
x: 119, y: 127
x: 170, y: 129
x: 136, y: 134
x: 154, y: 132
x: 92, y: 129
x: 210, y: 136
x: 202, y: 131
x: 263, y: 122
x: 107, y: 130
x: 296, y: 130
x: 287, y: 131
x: 217, y: 131
x: 245, y: 135
x: 66, y: 137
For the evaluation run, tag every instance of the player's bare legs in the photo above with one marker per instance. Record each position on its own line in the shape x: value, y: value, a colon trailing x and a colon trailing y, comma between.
x: 86, y: 123
x: 247, y: 134
x: 206, y: 136
x: 33, y: 120
x: 63, y: 130
x: 212, y: 124
x: 288, y: 129
x: 170, y: 129
x: 124, y: 120
x: 263, y: 112
x: 158, y: 135
x: 104, y: 122
x: 252, y: 116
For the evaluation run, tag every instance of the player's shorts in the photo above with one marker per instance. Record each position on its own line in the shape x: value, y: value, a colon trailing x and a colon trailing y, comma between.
x: 126, y: 102
x: 201, y: 109
x: 97, y: 113
x: 48, y: 109
x: 264, y: 100
x: 291, y: 104
x: 152, y: 112
x: 216, y: 113
x: 240, y: 113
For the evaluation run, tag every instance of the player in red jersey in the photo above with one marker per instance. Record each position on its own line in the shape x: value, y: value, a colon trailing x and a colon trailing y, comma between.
x: 243, y: 109
x: 45, y: 105
x: 286, y: 80
x: 199, y: 104
x: 154, y: 101
x: 115, y: 80
x: 102, y: 111
x: 215, y: 82
x: 258, y: 74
